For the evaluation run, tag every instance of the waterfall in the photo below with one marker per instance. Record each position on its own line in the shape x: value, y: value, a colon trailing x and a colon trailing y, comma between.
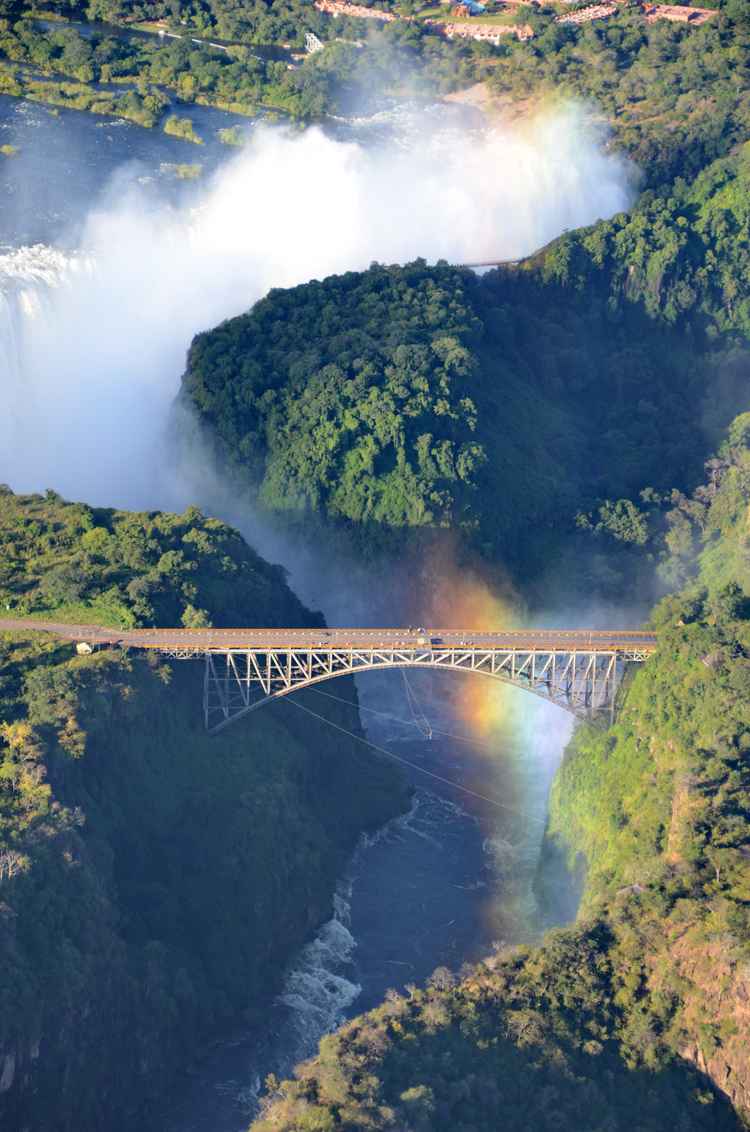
x: 87, y: 395
x: 28, y: 278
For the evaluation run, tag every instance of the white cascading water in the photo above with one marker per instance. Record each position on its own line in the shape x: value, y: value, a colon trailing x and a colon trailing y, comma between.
x: 101, y: 368
x: 29, y: 277
x: 317, y: 989
x: 92, y: 344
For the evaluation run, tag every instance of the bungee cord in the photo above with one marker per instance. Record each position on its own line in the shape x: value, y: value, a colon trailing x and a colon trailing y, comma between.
x: 406, y: 722
x: 414, y: 766
x: 421, y: 722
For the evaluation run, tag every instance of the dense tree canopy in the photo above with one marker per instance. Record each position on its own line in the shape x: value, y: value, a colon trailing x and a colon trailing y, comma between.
x: 600, y: 1025
x: 423, y: 397
x: 127, y: 569
x: 683, y: 253
x: 153, y: 881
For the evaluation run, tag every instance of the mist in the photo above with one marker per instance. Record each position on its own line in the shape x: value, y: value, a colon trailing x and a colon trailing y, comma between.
x: 93, y: 344
x: 92, y: 365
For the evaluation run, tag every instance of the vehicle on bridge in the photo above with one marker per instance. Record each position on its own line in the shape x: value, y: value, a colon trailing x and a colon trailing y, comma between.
x: 577, y: 669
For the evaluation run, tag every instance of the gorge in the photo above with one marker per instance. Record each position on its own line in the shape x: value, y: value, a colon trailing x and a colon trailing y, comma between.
x: 46, y: 292
x: 415, y: 443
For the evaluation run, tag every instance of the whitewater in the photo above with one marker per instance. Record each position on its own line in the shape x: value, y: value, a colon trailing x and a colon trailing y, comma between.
x: 93, y: 344
x: 94, y: 330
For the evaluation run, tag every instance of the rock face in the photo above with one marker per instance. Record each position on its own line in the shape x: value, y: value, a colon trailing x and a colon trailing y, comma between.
x: 717, y: 1005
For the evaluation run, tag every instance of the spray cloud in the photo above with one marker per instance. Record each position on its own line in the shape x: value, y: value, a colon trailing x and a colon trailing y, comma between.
x: 91, y: 371
x: 92, y: 346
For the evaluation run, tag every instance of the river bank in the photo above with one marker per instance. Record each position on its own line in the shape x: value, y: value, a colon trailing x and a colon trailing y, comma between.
x: 437, y: 887
x: 454, y: 913
x: 139, y: 74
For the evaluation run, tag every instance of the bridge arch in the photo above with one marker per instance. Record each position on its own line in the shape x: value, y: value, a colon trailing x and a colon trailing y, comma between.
x: 581, y: 682
x: 577, y: 669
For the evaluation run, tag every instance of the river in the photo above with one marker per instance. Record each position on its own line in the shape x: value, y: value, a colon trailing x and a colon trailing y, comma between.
x: 65, y: 159
x: 437, y: 886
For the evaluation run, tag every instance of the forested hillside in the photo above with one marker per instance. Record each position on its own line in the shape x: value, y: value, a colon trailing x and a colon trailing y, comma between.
x: 153, y: 880
x: 683, y: 254
x: 611, y: 1023
x: 420, y: 398
x: 592, y: 377
x: 675, y: 95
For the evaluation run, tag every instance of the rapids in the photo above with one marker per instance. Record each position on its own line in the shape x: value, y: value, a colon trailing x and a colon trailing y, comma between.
x: 441, y: 884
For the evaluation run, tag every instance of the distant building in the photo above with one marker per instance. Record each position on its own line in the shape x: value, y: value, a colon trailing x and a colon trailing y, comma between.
x: 469, y: 8
x: 312, y: 43
x: 358, y: 11
x: 586, y: 15
x: 486, y: 33
x: 678, y: 13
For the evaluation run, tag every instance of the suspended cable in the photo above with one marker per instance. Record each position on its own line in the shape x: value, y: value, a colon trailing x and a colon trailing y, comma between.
x: 406, y: 722
x: 421, y: 722
x: 414, y: 766
x: 361, y: 707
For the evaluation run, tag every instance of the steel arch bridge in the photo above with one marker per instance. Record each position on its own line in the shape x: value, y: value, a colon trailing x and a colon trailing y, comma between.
x: 577, y: 669
x: 579, y: 680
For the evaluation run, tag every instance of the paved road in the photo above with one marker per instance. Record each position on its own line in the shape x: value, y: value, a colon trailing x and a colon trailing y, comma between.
x: 206, y: 640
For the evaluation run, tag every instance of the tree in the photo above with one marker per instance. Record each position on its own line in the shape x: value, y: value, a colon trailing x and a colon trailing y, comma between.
x: 193, y: 618
x: 730, y: 603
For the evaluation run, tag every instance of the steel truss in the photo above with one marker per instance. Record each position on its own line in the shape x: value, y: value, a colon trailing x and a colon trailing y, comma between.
x: 238, y: 681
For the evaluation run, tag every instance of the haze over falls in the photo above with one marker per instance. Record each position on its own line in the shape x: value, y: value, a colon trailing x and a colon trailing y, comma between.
x: 96, y: 365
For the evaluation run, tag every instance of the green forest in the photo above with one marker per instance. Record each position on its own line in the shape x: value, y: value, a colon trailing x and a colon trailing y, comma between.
x: 682, y: 254
x: 573, y: 395
x: 602, y: 1025
x: 408, y: 399
x: 154, y: 881
x: 675, y: 96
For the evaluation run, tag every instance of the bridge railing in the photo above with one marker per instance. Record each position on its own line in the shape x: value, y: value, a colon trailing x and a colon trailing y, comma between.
x: 578, y: 669
x: 582, y: 682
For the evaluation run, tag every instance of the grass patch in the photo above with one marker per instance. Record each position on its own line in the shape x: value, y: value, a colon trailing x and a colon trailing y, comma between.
x: 231, y: 135
x: 182, y: 172
x: 182, y: 128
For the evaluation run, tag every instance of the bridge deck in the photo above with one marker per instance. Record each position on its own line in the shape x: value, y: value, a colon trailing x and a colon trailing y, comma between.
x: 578, y: 669
x: 201, y: 641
